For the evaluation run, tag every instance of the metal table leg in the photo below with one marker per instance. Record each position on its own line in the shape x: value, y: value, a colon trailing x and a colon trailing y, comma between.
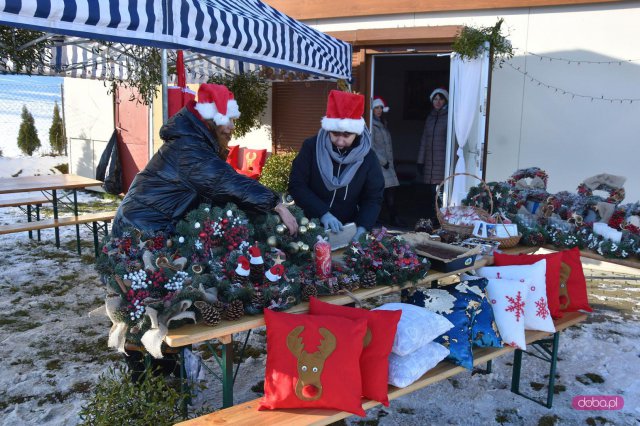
x: 227, y: 371
x: 75, y: 211
x: 54, y: 195
x: 38, y: 218
x: 29, y: 220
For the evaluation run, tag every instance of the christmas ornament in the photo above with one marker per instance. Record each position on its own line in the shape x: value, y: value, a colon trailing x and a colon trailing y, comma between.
x: 305, y: 247
x: 242, y: 271
x: 312, y: 225
x: 256, y: 264
x: 309, y: 291
x: 181, y: 240
x: 280, y: 229
x: 257, y: 299
x: 197, y: 225
x: 322, y: 252
x: 293, y: 247
x: 274, y: 274
x: 302, y: 229
x: 272, y: 241
x: 368, y: 279
x: 304, y: 221
x: 210, y: 315
x: 169, y: 243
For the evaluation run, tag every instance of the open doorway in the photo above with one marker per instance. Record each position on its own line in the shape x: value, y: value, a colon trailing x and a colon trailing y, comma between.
x: 405, y: 83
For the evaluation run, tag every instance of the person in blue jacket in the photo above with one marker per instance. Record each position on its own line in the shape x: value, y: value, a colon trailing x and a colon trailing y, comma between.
x: 190, y: 168
x: 336, y: 176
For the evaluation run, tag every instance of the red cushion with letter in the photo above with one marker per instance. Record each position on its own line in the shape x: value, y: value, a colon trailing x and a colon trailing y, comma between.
x: 374, y: 361
x: 576, y: 283
x: 313, y: 361
x: 554, y: 262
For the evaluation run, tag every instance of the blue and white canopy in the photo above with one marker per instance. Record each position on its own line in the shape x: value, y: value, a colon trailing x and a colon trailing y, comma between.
x: 242, y: 30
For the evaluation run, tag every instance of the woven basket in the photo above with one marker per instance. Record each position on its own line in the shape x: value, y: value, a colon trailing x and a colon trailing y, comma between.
x: 505, y: 242
x: 463, y: 230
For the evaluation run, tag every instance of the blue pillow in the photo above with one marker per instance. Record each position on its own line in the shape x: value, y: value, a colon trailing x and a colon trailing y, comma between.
x: 457, y: 307
x: 484, y: 329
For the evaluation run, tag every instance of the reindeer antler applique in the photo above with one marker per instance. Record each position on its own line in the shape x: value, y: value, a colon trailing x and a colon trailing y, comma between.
x: 565, y: 271
x: 310, y: 365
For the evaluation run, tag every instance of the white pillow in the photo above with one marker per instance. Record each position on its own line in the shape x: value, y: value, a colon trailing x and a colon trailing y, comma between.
x: 507, y: 298
x: 536, y: 309
x: 416, y: 328
x: 404, y: 370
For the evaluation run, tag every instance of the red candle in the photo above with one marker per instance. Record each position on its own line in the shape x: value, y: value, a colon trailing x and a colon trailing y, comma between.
x: 322, y: 251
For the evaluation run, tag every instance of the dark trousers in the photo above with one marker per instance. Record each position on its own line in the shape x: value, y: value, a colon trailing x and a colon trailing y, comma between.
x: 427, y: 196
x: 389, y: 199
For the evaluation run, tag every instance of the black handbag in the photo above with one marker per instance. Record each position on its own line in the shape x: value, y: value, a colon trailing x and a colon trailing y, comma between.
x: 109, y: 169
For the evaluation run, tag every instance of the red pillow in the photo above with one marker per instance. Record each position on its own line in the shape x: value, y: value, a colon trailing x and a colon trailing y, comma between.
x: 313, y: 361
x: 374, y: 361
x: 576, y: 284
x: 554, y: 262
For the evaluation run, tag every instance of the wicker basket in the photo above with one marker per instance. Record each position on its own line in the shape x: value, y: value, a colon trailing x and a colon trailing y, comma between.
x: 463, y: 230
x: 505, y: 242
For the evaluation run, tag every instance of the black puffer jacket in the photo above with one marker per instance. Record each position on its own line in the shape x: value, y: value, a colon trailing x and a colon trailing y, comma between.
x: 358, y: 202
x: 186, y: 171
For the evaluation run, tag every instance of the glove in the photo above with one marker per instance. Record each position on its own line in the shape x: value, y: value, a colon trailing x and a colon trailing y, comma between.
x: 359, y: 232
x: 419, y: 168
x: 386, y: 166
x: 331, y: 222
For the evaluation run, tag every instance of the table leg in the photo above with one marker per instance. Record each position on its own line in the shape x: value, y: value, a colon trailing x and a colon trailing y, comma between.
x: 54, y: 195
x: 75, y: 211
x: 38, y: 218
x: 227, y: 371
x: 95, y: 238
x: 29, y: 220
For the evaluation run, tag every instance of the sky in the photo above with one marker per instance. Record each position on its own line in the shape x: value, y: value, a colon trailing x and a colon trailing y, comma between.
x: 39, y: 95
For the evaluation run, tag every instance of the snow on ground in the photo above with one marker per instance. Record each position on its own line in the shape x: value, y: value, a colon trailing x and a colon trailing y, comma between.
x: 52, y: 352
x: 30, y: 166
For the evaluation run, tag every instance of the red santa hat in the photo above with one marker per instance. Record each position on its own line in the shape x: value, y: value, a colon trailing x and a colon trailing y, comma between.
x: 344, y: 113
x: 379, y: 102
x: 275, y: 273
x: 439, y: 90
x: 256, y: 255
x: 243, y: 266
x: 215, y: 102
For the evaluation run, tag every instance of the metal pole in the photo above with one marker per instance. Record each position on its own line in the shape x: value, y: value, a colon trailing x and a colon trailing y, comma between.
x: 64, y: 123
x: 165, y: 95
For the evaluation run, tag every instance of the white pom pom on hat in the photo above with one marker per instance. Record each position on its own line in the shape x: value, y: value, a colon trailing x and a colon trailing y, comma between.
x: 439, y: 90
x: 216, y: 102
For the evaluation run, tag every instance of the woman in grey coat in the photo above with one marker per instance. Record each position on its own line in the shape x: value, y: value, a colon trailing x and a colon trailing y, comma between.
x: 433, y: 148
x: 383, y: 147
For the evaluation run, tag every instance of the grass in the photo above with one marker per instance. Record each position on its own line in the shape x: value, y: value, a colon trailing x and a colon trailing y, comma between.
x: 548, y: 420
x: 54, y: 364
x: 590, y: 378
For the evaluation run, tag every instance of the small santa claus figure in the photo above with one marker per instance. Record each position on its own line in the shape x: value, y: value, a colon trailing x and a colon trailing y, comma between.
x: 274, y: 274
x: 257, y: 264
x: 242, y: 271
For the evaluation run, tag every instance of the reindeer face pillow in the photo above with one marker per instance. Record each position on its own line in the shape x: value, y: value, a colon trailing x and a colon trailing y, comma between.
x: 313, y: 361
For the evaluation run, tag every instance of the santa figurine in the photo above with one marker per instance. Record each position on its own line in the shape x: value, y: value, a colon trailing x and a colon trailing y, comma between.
x: 274, y: 274
x: 242, y: 271
x: 257, y: 264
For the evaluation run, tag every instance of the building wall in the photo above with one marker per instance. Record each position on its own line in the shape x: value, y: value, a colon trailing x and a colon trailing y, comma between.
x: 89, y: 123
x: 531, y: 125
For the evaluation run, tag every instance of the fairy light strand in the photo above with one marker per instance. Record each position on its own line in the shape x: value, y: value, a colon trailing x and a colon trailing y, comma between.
x: 573, y: 95
x: 581, y: 61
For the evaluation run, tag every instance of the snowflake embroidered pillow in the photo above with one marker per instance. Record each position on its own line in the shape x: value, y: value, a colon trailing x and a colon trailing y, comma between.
x: 536, y: 308
x: 507, y: 301
x: 381, y: 332
x: 554, y: 262
x: 313, y: 361
x: 416, y: 328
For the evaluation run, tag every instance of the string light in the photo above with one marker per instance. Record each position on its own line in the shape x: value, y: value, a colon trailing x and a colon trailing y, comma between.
x: 581, y: 61
x: 567, y: 92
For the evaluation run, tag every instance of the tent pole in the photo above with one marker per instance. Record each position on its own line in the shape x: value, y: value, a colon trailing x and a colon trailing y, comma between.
x: 165, y: 94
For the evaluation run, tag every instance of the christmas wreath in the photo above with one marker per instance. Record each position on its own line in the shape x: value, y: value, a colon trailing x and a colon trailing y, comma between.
x: 533, y: 173
x: 616, y: 195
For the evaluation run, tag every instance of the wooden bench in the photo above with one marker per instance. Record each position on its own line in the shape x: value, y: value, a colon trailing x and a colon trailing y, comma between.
x: 247, y: 414
x: 93, y: 218
x: 29, y: 201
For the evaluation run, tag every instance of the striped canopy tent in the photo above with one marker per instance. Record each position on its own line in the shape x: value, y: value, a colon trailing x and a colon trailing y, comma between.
x: 216, y: 35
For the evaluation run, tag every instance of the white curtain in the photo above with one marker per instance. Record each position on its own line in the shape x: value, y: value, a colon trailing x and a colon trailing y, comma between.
x: 466, y: 83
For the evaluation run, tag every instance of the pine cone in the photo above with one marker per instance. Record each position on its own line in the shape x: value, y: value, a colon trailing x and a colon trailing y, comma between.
x: 210, y: 315
x: 257, y: 300
x: 256, y: 274
x: 368, y: 279
x: 219, y: 306
x: 309, y: 291
x: 243, y: 280
x: 234, y: 311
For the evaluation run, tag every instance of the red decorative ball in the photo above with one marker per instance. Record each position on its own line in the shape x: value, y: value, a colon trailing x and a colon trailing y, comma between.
x: 225, y: 221
x: 230, y: 247
x: 202, y: 235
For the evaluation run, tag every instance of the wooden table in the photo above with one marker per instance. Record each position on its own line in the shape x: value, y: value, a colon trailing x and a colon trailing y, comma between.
x: 49, y: 185
x: 223, y: 332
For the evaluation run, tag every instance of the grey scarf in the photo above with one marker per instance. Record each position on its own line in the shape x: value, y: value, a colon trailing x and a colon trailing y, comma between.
x: 349, y: 163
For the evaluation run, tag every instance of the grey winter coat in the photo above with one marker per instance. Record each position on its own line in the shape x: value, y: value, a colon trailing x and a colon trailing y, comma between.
x: 433, y: 147
x: 383, y: 147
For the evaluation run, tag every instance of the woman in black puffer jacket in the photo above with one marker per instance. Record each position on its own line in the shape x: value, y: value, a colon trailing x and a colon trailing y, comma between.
x: 189, y: 168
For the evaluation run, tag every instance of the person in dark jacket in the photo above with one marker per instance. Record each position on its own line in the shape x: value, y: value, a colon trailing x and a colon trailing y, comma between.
x: 189, y: 169
x: 336, y: 175
x: 433, y: 148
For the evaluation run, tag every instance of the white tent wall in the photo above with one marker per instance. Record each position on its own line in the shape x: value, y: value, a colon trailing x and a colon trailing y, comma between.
x: 89, y: 123
x: 532, y: 125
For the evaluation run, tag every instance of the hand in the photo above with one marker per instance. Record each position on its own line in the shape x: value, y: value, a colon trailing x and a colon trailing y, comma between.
x: 386, y: 166
x: 287, y: 219
x: 419, y: 168
x: 331, y: 222
x: 359, y: 233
